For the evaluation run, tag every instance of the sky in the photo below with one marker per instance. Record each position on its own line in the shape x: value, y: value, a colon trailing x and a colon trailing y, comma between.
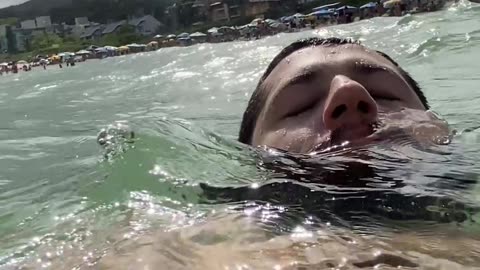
x: 6, y: 3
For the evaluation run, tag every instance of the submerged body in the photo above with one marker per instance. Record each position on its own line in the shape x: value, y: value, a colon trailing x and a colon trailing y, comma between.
x: 187, y: 195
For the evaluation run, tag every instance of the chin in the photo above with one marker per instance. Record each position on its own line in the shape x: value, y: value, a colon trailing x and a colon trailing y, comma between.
x: 330, y: 146
x: 347, y: 138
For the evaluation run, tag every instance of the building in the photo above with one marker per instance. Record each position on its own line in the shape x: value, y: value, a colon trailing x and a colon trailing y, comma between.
x: 82, y: 21
x: 43, y: 22
x: 77, y: 30
x: 20, y: 39
x: 83, y: 28
x: 12, y: 39
x: 258, y: 8
x: 221, y: 11
x: 93, y: 33
x: 200, y: 8
x: 4, y: 48
x: 146, y: 25
x: 28, y: 24
x: 113, y: 27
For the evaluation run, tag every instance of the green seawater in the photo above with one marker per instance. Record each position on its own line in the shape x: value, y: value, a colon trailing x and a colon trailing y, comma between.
x: 182, y: 193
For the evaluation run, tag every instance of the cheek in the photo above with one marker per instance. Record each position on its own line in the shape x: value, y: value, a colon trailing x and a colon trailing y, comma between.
x: 395, y: 106
x: 390, y: 106
x: 295, y: 140
x: 422, y: 126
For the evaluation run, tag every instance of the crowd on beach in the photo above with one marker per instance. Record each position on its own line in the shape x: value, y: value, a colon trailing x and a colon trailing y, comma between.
x: 331, y: 14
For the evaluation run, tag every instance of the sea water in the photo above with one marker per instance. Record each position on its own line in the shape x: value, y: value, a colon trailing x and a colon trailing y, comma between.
x: 171, y: 188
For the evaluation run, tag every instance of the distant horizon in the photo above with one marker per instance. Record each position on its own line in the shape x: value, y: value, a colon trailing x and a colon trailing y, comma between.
x: 7, y: 3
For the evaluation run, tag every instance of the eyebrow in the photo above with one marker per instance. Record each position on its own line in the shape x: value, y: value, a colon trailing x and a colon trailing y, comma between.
x: 312, y: 72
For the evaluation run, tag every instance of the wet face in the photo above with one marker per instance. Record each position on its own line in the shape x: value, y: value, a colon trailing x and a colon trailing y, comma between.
x: 322, y: 96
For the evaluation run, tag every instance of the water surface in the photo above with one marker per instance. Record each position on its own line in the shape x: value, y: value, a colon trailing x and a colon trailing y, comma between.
x: 183, y: 194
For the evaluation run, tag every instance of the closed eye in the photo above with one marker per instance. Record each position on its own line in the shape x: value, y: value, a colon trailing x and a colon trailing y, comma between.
x: 382, y: 97
x: 301, y: 110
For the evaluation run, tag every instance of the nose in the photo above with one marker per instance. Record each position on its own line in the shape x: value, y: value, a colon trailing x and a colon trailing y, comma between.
x: 348, y: 104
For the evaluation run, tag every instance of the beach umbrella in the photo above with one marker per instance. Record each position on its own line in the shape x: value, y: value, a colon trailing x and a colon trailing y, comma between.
x: 123, y: 48
x: 171, y: 36
x: 22, y: 62
x: 298, y: 15
x: 287, y: 19
x: 183, y: 35
x: 83, y: 52
x: 321, y: 13
x: 54, y: 58
x: 369, y: 5
x: 66, y: 54
x: 391, y: 3
x: 271, y: 21
x: 197, y: 34
x: 212, y: 30
x: 4, y: 64
x: 158, y: 37
x: 135, y: 45
x: 278, y: 25
x: 111, y: 48
x: 327, y: 6
x: 216, y: 34
x: 256, y: 21
x: 347, y: 8
x: 226, y: 28
x: 101, y: 50
x: 91, y: 48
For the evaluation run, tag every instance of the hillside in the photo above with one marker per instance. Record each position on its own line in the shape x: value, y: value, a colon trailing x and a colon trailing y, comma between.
x: 97, y: 10
x: 33, y: 8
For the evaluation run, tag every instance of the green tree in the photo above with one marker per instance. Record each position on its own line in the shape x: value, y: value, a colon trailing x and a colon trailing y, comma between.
x: 46, y: 41
x: 9, y: 21
x: 185, y: 13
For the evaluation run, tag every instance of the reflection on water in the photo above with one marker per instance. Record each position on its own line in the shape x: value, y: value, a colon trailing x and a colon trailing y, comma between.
x: 235, y: 241
x: 170, y: 188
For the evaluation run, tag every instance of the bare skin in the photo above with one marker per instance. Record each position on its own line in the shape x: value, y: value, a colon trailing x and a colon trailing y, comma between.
x: 323, y: 96
x: 237, y: 242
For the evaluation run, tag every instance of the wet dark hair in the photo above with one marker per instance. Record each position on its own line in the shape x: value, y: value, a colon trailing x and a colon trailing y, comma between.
x: 257, y: 101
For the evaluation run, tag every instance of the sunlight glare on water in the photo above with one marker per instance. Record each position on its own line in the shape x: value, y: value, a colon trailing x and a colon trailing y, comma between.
x: 171, y: 187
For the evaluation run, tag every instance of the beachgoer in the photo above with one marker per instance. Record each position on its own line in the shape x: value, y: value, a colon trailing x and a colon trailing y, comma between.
x: 349, y: 18
x: 397, y: 10
x: 380, y: 10
x: 318, y: 93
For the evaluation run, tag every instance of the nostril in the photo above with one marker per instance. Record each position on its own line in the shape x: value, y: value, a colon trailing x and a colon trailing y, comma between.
x: 339, y: 110
x: 363, y: 107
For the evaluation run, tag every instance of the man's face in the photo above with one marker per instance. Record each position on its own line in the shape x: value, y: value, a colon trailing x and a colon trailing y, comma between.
x: 323, y: 96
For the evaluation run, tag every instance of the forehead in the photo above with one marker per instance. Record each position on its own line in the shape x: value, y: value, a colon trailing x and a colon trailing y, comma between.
x: 326, y: 57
